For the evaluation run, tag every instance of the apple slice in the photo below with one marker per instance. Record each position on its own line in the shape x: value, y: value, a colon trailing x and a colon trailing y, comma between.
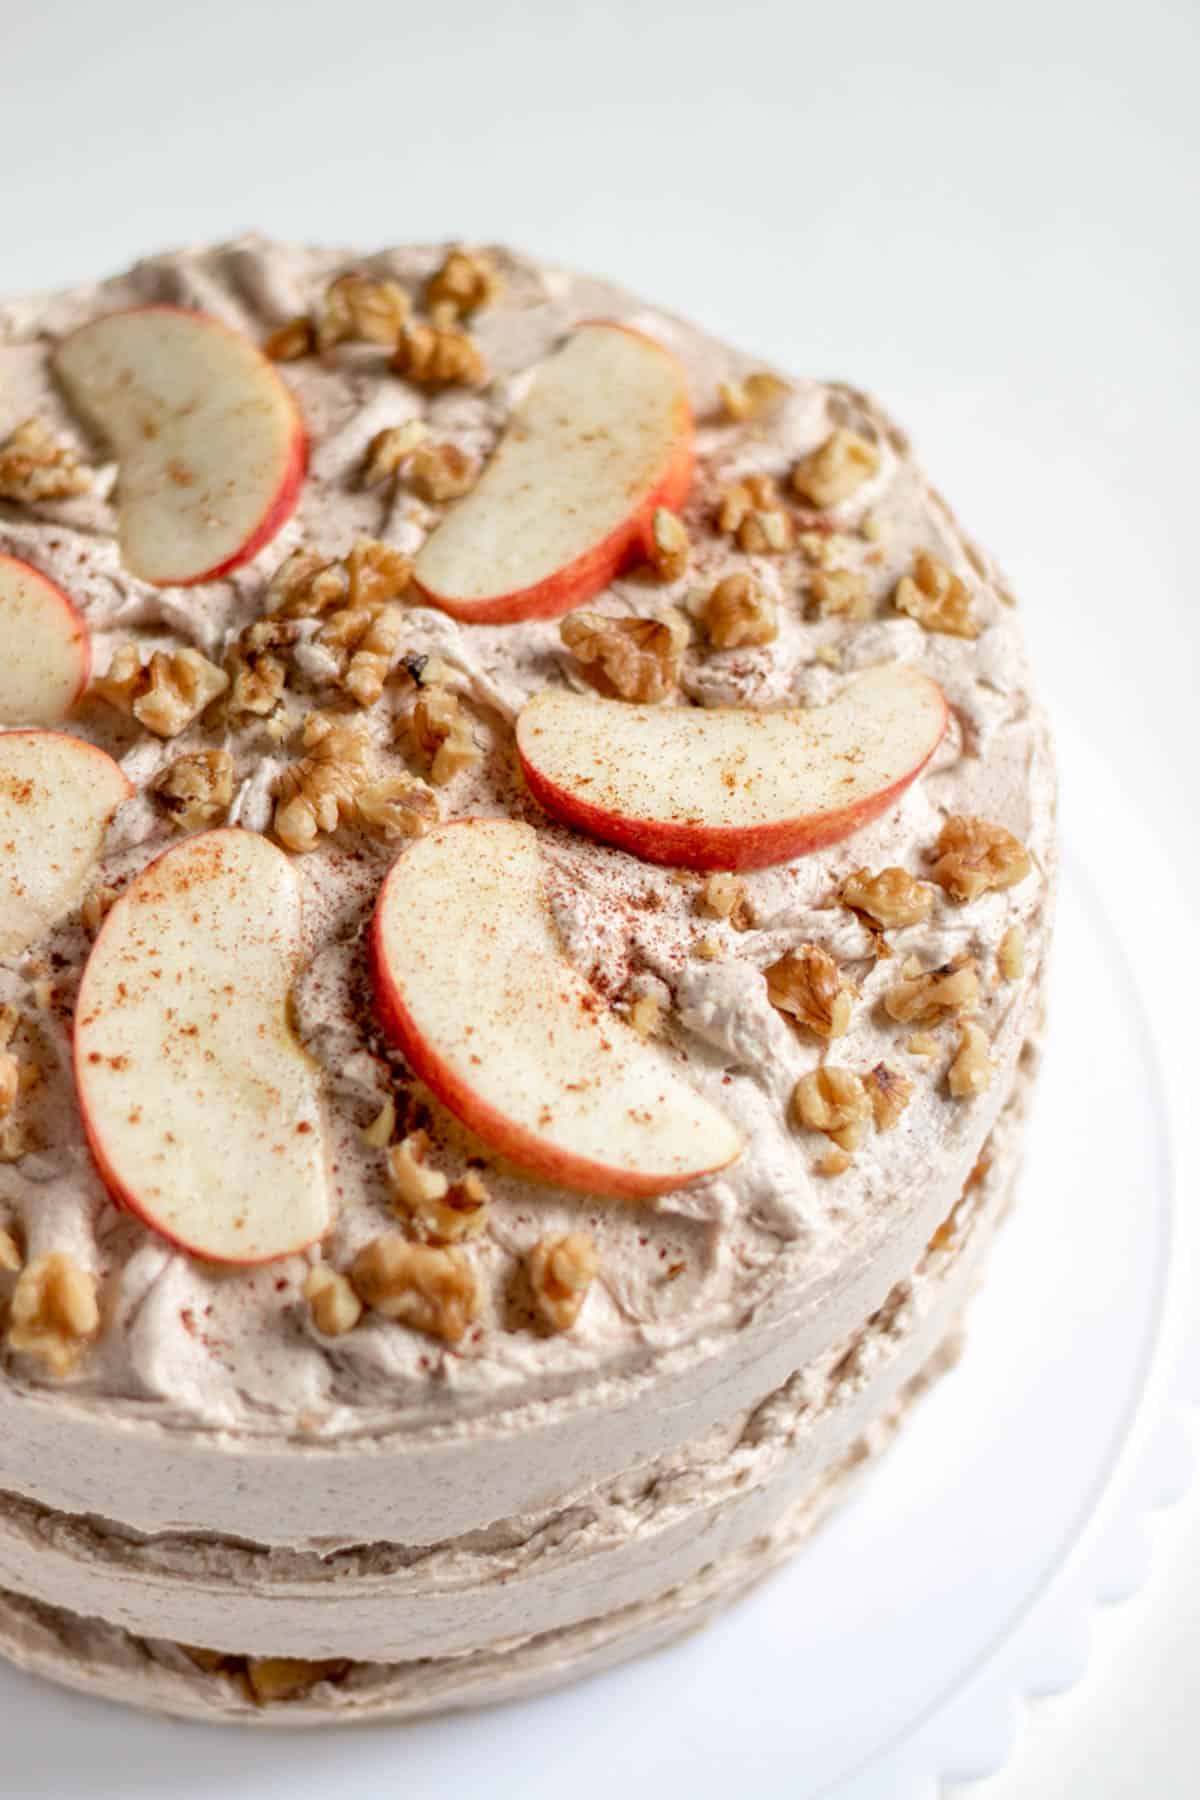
x: 47, y: 653
x: 603, y: 437
x: 57, y: 798
x: 733, y: 788
x: 211, y: 447
x: 473, y: 985
x: 199, y: 1102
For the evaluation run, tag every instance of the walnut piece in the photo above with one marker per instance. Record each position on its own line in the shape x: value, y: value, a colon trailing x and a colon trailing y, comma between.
x: 436, y: 356
x: 645, y: 1014
x: 94, y: 907
x: 440, y: 472
x: 922, y: 1043
x: 972, y: 1069
x: 379, y: 1132
x: 390, y: 449
x: 926, y: 997
x: 834, y: 1101
x: 333, y: 1303
x: 10, y: 1068
x: 807, y: 983
x: 291, y: 340
x: 842, y: 592
x: 306, y: 585
x: 441, y: 731
x: 889, y: 1093
x: 10, y: 1253
x: 165, y: 695
x: 364, y: 640
x: 53, y: 1314
x: 466, y: 281
x: 272, y: 1679
x: 318, y: 792
x: 257, y: 671
x: 833, y: 1162
x: 356, y: 307
x: 35, y: 466
x: 752, y: 397
x: 376, y: 572
x: 835, y: 469
x: 196, y: 789
x: 724, y: 896
x: 891, y: 899
x: 972, y: 856
x: 669, y: 549
x: 435, y: 1209
x: 561, y: 1270
x: 1010, y: 954
x: 635, y: 659
x: 398, y: 806
x: 936, y: 598
x: 738, y: 612
x: 751, y: 514
x: 431, y: 1289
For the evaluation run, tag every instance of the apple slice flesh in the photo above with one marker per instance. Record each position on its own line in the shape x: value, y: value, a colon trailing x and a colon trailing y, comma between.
x: 200, y: 1104
x: 603, y: 437
x: 731, y: 788
x: 45, y: 649
x: 210, y: 444
x: 473, y: 985
x: 57, y: 799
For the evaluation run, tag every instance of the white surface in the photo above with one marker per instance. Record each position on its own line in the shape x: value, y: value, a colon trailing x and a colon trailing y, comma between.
x: 986, y: 215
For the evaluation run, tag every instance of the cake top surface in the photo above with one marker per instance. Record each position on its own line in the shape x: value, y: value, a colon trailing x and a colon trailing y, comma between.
x: 317, y: 697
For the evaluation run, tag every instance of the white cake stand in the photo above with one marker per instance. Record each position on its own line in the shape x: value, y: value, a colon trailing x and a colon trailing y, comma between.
x: 894, y: 1650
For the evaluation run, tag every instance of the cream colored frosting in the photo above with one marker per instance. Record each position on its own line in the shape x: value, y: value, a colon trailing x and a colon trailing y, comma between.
x: 210, y: 1403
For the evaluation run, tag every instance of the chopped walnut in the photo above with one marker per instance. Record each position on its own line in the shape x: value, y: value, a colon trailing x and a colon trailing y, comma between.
x: 438, y: 356
x: 432, y: 1289
x: 724, y: 896
x: 271, y: 1679
x: 750, y: 513
x: 669, y: 549
x: 10, y: 1068
x: 94, y: 907
x: 835, y: 469
x: 972, y: 856
x: 753, y: 396
x: 891, y: 899
x: 936, y: 598
x: 379, y: 1132
x: 390, y: 449
x: 645, y: 1014
x: 922, y: 1043
x: 833, y: 1162
x: 874, y: 528
x: 441, y: 731
x: 436, y: 1210
x: 807, y: 983
x: 1010, y: 954
x: 376, y: 572
x: 840, y: 591
x: 834, y: 1101
x: 738, y: 612
x: 359, y: 308
x: 291, y: 340
x: 825, y: 549
x: 35, y: 466
x: 398, y: 806
x: 440, y: 472
x: 466, y: 281
x: 889, y: 1093
x: 708, y: 949
x: 306, y: 585
x: 320, y: 790
x: 972, y: 1069
x: 53, y: 1313
x: 196, y: 789
x: 333, y: 1303
x: 10, y: 1253
x: 257, y: 672
x: 561, y: 1270
x: 165, y: 695
x: 925, y: 998
x: 636, y: 659
x: 364, y: 639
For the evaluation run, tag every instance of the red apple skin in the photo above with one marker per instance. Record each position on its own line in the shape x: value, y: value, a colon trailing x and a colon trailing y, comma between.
x: 79, y: 633
x: 694, y: 845
x: 530, y: 1152
x: 578, y: 581
x: 287, y: 494
x: 121, y: 1196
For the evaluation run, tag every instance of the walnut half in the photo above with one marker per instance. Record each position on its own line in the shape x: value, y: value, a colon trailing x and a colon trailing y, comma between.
x: 833, y: 1101
x: 891, y: 899
x: 166, y: 694
x: 807, y: 983
x: 54, y: 1312
x: 318, y: 792
x: 433, y: 1290
x: 972, y: 856
x: 635, y: 659
x: 196, y: 789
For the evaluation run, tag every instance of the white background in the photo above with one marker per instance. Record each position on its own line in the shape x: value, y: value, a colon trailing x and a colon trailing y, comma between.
x: 988, y: 215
